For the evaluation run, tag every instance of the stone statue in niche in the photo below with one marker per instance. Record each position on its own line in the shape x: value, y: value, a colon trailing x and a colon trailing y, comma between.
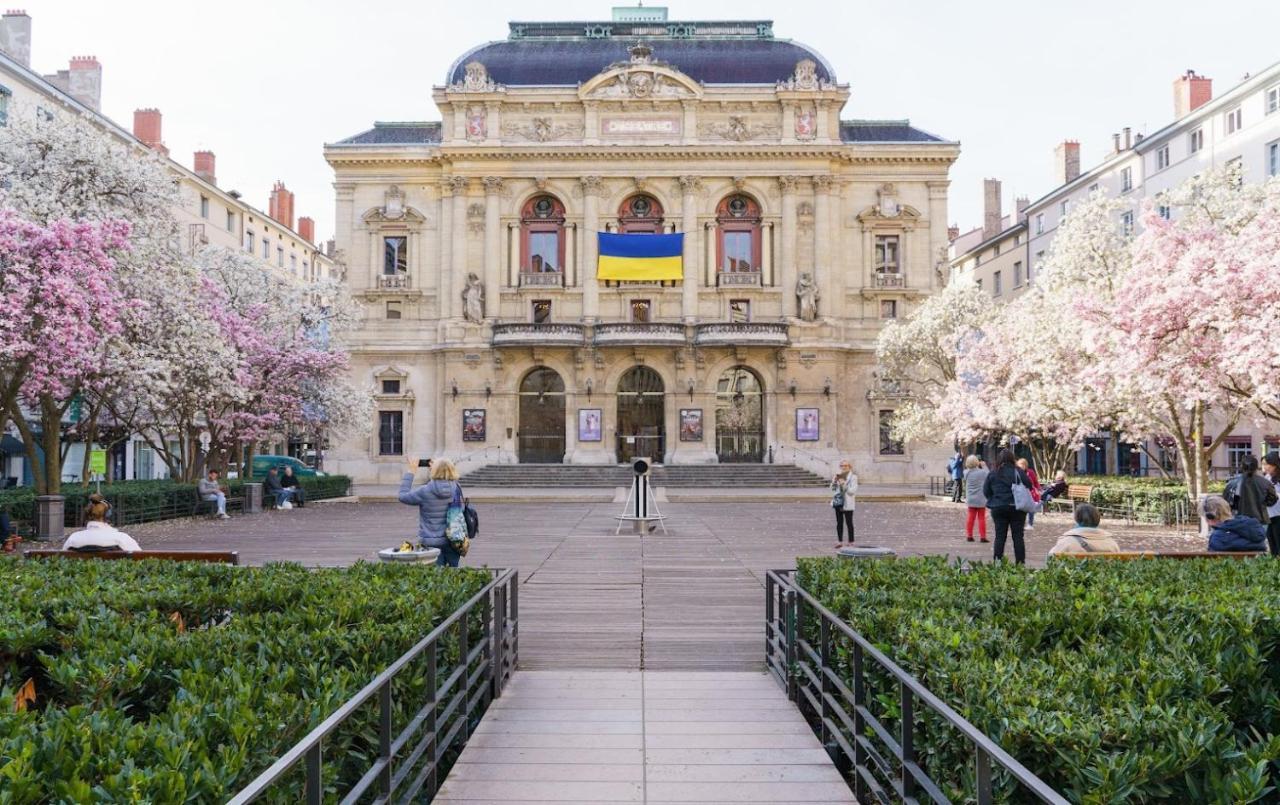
x: 473, y: 299
x: 807, y: 296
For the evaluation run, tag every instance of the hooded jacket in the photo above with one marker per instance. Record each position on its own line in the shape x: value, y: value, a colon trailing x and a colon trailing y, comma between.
x: 1083, y: 539
x: 432, y: 500
x: 1240, y: 533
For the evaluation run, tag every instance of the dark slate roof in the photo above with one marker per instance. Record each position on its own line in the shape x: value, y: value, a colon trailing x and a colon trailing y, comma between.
x: 884, y: 131
x: 569, y: 62
x: 396, y: 134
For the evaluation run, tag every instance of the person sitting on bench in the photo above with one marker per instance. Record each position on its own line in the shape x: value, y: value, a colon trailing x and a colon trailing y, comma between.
x: 1086, y: 537
x: 209, y: 489
x: 1230, y: 532
x: 98, y: 534
x: 272, y: 486
x: 290, y: 482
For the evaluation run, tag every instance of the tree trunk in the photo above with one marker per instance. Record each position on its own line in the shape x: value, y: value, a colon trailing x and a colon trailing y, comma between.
x: 51, y: 438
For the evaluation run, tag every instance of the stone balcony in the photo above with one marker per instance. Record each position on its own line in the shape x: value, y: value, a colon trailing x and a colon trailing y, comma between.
x: 637, y: 334
x: 738, y: 279
x: 393, y: 282
x: 538, y: 335
x: 888, y: 281
x: 548, y: 279
x: 742, y: 334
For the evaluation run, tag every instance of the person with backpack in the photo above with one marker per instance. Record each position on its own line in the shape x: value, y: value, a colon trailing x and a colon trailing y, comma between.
x: 1249, y: 494
x: 434, y: 499
x: 1002, y: 502
x: 955, y: 469
x: 1271, y: 471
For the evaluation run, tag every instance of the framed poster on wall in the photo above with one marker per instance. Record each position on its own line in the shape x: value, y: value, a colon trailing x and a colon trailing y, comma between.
x: 589, y: 429
x: 473, y: 424
x: 690, y: 424
x: 807, y: 429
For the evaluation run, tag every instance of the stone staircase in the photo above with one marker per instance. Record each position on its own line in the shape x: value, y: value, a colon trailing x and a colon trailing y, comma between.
x: 686, y: 476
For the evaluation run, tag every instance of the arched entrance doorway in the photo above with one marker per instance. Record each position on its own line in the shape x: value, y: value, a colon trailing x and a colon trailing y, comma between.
x: 739, y: 417
x: 641, y: 415
x: 541, y: 432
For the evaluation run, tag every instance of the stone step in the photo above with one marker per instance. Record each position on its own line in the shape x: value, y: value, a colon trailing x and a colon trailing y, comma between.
x: 730, y: 476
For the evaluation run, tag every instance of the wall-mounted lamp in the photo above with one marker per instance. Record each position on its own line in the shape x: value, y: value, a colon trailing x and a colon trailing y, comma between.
x: 488, y: 391
x: 454, y: 383
x: 792, y: 388
x: 589, y: 388
x: 826, y: 388
x: 691, y: 385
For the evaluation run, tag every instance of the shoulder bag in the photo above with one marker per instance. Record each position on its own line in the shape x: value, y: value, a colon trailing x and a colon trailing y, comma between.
x: 455, y: 523
x: 1022, y: 498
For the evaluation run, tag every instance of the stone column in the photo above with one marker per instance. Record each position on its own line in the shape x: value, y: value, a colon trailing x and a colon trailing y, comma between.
x: 570, y: 268
x: 709, y: 253
x: 375, y: 254
x: 787, y: 272
x: 591, y: 189
x: 492, y: 246
x: 444, y: 281
x: 938, y: 234
x: 458, y: 254
x: 766, y: 254
x: 513, y: 254
x: 822, y: 256
x: 690, y: 185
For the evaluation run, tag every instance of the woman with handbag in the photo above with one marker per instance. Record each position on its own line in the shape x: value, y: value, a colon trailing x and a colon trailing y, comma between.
x: 1008, y: 491
x: 844, y: 491
x: 434, y: 501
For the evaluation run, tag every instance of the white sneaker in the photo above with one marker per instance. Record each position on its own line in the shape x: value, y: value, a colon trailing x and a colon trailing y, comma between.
x: 1030, y: 528
x: 224, y: 516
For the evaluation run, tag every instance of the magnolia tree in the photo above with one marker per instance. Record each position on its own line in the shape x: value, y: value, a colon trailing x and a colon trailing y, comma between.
x: 1188, y: 341
x: 919, y: 354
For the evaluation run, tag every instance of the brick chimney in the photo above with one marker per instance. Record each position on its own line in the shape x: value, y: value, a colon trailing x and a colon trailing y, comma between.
x: 280, y: 205
x: 953, y: 232
x: 15, y: 36
x: 1190, y: 92
x: 204, y: 165
x: 84, y: 81
x: 990, y: 208
x: 1066, y: 161
x: 146, y: 127
x: 1020, y: 204
x: 307, y: 229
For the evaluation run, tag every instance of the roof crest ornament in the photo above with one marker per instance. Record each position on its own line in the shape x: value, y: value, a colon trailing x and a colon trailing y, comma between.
x: 805, y: 79
x: 476, y: 79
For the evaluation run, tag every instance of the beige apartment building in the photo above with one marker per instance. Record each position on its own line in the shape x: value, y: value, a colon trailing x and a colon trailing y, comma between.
x: 471, y: 241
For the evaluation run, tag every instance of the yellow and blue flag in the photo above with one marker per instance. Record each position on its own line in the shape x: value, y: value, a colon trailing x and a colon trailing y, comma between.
x: 640, y: 257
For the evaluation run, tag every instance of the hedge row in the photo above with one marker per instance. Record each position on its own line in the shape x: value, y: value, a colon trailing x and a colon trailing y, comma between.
x: 146, y: 501
x: 180, y: 682
x: 1154, y: 500
x: 1113, y: 681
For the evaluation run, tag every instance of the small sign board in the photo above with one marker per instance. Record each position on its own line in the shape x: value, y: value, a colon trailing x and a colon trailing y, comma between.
x: 98, y: 463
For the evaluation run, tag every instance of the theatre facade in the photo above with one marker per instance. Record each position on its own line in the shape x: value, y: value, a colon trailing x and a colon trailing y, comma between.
x: 471, y: 243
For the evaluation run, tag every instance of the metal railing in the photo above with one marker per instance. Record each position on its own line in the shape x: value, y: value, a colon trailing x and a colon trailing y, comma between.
x: 835, y: 675
x: 409, y: 763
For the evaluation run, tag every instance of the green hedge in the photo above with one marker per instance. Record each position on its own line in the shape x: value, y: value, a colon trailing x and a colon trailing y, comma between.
x: 1154, y: 681
x: 133, y: 705
x: 1151, y: 500
x: 147, y: 501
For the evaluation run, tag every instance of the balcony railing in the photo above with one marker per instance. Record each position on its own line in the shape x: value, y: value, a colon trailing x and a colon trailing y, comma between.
x: 635, y: 333
x: 742, y: 334
x: 393, y: 282
x: 888, y: 281
x: 738, y: 279
x: 525, y: 334
x: 546, y: 279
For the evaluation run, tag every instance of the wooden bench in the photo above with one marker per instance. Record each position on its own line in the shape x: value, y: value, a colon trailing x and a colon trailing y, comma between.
x: 224, y: 557
x: 1075, y: 494
x: 1157, y: 555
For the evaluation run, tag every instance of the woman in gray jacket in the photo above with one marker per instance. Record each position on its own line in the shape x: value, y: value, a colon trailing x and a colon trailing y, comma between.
x: 975, y: 475
x: 432, y: 499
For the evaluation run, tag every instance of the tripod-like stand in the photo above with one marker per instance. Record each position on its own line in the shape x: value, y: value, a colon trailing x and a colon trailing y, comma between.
x: 641, y: 507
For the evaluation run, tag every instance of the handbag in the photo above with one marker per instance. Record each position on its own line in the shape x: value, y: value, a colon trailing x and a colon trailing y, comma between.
x: 472, y: 518
x: 1022, y: 499
x: 455, y: 523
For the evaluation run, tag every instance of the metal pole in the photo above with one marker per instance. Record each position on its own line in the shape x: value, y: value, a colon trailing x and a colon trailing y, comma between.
x: 315, y: 786
x: 824, y: 637
x: 908, y: 740
x: 859, y: 724
x: 792, y: 688
x: 433, y: 691
x: 464, y: 648
x: 384, y: 736
x: 983, y: 777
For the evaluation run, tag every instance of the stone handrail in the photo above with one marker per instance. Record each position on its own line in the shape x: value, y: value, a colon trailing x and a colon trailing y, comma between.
x: 772, y: 334
x: 525, y: 333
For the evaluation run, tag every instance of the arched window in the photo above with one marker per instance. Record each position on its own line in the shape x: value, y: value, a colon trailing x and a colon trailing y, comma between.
x: 542, y: 241
x: 640, y: 214
x: 738, y: 238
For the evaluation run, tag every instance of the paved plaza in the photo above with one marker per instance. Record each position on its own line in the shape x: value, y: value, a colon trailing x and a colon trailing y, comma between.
x: 689, y: 599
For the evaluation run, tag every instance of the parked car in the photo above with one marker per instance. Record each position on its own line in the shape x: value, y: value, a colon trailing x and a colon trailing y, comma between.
x: 262, y: 464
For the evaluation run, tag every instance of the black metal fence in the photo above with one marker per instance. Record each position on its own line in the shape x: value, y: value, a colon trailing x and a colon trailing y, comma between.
x: 853, y: 696
x: 461, y: 666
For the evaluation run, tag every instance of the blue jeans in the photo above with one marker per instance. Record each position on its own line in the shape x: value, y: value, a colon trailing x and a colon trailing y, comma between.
x: 448, y: 556
x: 283, y: 495
x: 220, y: 499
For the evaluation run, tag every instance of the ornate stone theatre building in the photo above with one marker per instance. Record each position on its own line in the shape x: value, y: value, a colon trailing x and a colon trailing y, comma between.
x: 472, y: 244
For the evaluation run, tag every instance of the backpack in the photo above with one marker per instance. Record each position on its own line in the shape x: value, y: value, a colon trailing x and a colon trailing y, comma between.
x: 472, y: 518
x: 455, y: 523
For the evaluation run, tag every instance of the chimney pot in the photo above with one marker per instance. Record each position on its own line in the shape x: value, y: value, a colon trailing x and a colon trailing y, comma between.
x: 1115, y: 143
x: 991, y: 216
x: 146, y: 127
x: 953, y: 232
x: 15, y: 36
x: 1128, y: 138
x: 280, y: 204
x: 1190, y: 92
x: 204, y: 165
x: 307, y: 229
x: 1066, y: 157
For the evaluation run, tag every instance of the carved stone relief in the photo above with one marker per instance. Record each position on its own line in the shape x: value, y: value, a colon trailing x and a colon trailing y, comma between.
x: 476, y: 79
x: 543, y: 129
x: 738, y: 128
x: 805, y: 78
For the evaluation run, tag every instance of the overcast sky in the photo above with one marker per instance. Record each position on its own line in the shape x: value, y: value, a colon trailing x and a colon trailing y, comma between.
x: 264, y: 84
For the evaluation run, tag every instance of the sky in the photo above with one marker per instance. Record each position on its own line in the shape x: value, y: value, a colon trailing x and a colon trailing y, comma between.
x: 265, y: 84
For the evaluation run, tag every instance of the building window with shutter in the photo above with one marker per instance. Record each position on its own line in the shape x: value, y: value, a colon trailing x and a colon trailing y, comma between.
x: 889, y: 446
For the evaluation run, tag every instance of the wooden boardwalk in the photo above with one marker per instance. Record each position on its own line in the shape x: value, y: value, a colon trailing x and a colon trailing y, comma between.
x: 652, y: 736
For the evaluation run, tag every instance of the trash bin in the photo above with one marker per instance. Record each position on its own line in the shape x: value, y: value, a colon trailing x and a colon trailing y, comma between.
x: 253, y: 498
x: 865, y: 552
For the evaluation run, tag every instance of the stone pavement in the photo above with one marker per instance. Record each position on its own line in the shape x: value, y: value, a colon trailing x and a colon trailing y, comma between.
x: 652, y: 736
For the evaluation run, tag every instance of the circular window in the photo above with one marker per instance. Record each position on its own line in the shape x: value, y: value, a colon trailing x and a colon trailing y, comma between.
x: 543, y: 207
x: 641, y: 207
x: 738, y: 206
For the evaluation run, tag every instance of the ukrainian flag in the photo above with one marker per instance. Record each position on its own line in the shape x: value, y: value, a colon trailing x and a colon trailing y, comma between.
x: 640, y: 257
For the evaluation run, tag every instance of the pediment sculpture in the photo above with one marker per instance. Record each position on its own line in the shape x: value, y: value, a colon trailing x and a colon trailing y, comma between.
x: 475, y: 79
x: 641, y: 77
x: 738, y: 129
x: 394, y: 210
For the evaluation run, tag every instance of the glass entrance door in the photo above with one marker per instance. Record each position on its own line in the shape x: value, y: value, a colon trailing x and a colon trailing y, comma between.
x: 641, y: 416
x: 739, y: 417
x: 541, y: 434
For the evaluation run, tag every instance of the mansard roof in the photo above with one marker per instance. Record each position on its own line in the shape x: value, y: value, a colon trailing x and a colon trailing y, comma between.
x: 570, y: 53
x: 419, y: 133
x: 884, y: 131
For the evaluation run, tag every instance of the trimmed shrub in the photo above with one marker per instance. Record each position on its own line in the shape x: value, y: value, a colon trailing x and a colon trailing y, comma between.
x: 180, y: 682
x: 1153, y: 681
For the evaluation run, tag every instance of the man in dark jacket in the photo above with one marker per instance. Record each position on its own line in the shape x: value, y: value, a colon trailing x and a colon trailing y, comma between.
x: 1249, y: 493
x: 1232, y: 533
x: 955, y: 468
x: 271, y: 486
x: 290, y: 481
